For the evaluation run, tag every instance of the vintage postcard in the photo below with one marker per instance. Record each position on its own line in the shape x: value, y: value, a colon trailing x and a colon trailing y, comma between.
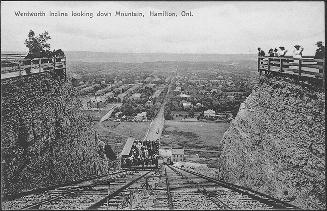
x: 162, y: 105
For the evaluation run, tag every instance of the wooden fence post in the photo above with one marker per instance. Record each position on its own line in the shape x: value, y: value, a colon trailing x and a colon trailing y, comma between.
x: 300, y: 69
x: 54, y: 64
x: 131, y: 200
x: 31, y: 66
x: 281, y: 65
x: 40, y: 61
x: 108, y: 192
x: 268, y: 68
x: 19, y: 68
x: 323, y: 72
x: 65, y: 69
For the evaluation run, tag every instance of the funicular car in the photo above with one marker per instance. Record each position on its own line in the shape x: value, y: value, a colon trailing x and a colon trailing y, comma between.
x: 140, y: 155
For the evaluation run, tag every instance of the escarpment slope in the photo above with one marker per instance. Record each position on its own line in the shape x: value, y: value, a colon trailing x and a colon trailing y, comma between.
x: 276, y: 143
x: 45, y: 140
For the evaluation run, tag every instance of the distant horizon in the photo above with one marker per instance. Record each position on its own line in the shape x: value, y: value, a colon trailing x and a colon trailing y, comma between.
x: 16, y: 51
x: 95, y: 57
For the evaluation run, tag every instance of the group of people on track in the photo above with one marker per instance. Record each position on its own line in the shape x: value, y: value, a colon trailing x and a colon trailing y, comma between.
x: 143, y: 154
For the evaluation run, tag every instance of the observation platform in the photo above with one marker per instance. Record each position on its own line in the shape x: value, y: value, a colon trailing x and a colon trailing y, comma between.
x: 14, y: 66
x: 304, y: 69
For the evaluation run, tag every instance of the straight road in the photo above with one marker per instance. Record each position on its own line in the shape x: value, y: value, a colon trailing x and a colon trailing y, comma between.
x: 201, y: 150
x: 156, y: 126
x: 107, y: 115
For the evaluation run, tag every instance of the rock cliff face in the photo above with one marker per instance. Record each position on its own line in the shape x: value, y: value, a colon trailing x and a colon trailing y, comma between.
x: 45, y: 140
x: 276, y: 143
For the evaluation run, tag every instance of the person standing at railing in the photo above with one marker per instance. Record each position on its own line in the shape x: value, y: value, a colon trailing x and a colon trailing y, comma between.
x: 320, y: 54
x: 275, y: 52
x: 261, y: 52
x: 297, y: 53
x: 271, y: 53
x: 282, y: 51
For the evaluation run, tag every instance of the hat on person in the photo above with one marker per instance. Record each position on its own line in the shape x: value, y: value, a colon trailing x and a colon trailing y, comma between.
x: 319, y: 43
x: 282, y: 47
x: 296, y: 46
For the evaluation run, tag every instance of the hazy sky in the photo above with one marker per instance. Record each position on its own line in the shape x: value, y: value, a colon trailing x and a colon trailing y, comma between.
x: 216, y: 27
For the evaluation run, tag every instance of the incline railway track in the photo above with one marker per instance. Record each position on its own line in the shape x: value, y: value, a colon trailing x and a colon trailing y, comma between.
x: 11, y: 197
x: 88, y: 194
x: 118, y: 194
x: 177, y: 188
x: 192, y: 190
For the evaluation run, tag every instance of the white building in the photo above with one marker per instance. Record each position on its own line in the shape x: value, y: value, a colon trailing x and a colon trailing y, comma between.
x: 171, y: 154
x: 140, y: 116
x: 118, y: 114
x: 230, y: 97
x: 209, y: 113
x: 177, y: 155
x: 187, y: 105
x: 182, y: 95
x: 149, y: 103
x: 136, y: 96
x: 178, y: 89
x: 96, y: 102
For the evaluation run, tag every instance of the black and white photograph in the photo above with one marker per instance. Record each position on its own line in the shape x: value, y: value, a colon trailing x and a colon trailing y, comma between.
x: 163, y: 105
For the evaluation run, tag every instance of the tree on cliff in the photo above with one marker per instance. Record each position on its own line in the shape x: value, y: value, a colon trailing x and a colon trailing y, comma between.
x: 39, y: 47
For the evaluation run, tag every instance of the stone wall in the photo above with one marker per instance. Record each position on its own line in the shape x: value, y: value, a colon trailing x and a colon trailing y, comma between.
x: 276, y: 143
x: 45, y: 140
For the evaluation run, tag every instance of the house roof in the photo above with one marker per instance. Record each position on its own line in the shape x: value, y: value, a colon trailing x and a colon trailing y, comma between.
x: 109, y: 94
x: 141, y: 114
x: 209, y: 111
x: 187, y: 104
x: 128, y: 145
x: 165, y: 152
x: 97, y: 99
x: 184, y: 95
x: 136, y: 95
x: 177, y: 151
x: 150, y: 85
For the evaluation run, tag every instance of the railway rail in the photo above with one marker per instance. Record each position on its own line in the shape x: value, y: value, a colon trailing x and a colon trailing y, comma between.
x: 11, y: 197
x: 85, y: 195
x: 216, y: 194
x: 177, y: 188
x: 118, y: 194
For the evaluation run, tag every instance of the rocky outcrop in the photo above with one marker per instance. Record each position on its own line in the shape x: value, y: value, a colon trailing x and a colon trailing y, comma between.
x: 276, y: 143
x: 45, y: 140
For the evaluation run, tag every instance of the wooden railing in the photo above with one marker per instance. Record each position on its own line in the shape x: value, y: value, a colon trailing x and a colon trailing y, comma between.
x: 13, y: 67
x: 306, y: 67
x: 12, y: 56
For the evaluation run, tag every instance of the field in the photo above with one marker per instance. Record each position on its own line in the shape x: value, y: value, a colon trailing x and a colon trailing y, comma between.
x: 133, y: 129
x: 195, y: 135
x: 96, y: 114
